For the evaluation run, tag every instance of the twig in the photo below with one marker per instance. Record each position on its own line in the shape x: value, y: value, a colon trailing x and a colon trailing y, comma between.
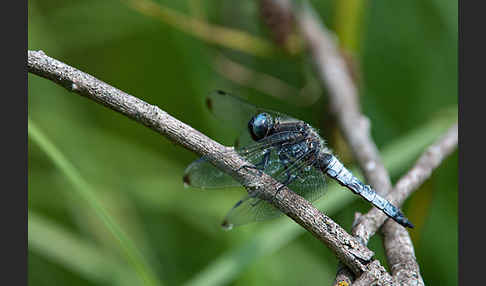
x: 401, y: 258
x: 366, y: 279
x: 401, y: 255
x: 352, y: 253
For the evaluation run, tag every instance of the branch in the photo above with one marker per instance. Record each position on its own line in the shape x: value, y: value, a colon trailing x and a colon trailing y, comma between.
x: 352, y: 253
x: 401, y: 258
x: 401, y: 255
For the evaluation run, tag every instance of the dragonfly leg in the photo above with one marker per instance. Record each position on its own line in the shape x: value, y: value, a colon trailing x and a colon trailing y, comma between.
x: 295, y: 172
x: 288, y: 181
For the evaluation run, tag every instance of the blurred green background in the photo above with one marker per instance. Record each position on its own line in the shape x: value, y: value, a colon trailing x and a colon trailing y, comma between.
x: 106, y: 201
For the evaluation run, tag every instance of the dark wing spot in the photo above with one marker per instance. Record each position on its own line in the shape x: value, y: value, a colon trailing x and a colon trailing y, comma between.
x: 209, y: 103
x: 226, y: 225
x: 219, y: 91
x: 186, y: 179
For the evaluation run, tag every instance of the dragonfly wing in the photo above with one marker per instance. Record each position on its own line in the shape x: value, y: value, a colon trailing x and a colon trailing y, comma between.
x: 310, y: 184
x: 312, y: 187
x: 235, y: 111
x: 202, y: 174
x: 231, y: 109
x: 249, y: 209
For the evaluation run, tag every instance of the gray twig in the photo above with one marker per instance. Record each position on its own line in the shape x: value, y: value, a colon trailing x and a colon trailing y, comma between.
x: 401, y: 255
x: 352, y: 253
x: 366, y: 279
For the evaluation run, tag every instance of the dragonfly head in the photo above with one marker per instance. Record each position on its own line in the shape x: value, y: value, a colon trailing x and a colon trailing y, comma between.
x: 260, y: 126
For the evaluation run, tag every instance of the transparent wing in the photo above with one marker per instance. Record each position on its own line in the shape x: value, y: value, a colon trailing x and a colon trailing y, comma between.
x: 202, y: 174
x: 232, y: 110
x: 310, y: 184
x: 235, y: 111
x: 249, y: 209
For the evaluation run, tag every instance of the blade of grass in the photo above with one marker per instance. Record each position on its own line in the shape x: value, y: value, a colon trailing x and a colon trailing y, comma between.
x: 74, y: 253
x: 396, y: 156
x: 86, y: 192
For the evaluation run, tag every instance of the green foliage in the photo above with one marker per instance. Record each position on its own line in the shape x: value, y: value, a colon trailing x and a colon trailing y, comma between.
x: 106, y: 200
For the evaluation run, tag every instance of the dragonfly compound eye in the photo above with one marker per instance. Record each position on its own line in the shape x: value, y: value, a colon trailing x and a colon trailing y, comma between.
x: 260, y: 126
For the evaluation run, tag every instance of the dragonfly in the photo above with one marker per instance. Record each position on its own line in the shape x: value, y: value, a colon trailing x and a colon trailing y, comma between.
x: 289, y: 150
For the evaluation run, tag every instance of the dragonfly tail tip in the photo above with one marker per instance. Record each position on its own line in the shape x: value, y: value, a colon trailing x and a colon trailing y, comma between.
x: 409, y: 224
x: 406, y: 223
